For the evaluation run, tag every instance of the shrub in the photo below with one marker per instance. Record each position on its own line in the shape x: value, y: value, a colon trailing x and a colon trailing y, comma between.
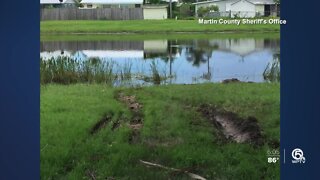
x: 203, y: 11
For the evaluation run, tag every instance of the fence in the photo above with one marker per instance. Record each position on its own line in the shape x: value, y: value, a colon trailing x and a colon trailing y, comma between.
x: 91, y: 45
x: 91, y: 14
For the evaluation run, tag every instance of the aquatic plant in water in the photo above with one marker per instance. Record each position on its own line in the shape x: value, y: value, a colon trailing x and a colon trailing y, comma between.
x: 272, y: 71
x: 65, y: 70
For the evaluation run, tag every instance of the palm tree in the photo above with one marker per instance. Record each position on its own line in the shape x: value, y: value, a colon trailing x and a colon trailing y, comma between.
x: 196, y: 56
x: 169, y: 59
x: 170, y: 9
x: 77, y: 3
x: 277, y: 2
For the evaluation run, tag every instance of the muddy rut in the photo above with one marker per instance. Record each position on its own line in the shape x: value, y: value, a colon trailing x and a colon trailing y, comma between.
x: 232, y: 126
x: 101, y: 123
x: 136, y: 121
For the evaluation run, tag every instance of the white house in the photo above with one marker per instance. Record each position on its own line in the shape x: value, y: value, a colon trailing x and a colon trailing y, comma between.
x: 173, y: 1
x: 241, y: 8
x: 56, y: 3
x: 92, y: 4
x: 155, y: 11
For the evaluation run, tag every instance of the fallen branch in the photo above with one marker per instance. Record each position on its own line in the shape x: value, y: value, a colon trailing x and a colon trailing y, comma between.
x: 194, y: 176
x: 91, y: 174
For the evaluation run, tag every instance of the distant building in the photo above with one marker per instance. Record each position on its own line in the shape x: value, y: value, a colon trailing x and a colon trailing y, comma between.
x: 92, y: 4
x: 241, y: 8
x: 56, y: 3
x: 155, y: 11
x: 173, y: 1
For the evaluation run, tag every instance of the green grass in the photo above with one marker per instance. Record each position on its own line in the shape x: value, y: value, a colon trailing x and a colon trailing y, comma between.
x: 147, y: 26
x: 174, y: 134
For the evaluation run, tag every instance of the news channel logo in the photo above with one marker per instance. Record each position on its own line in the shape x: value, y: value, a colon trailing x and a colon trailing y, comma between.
x: 273, y: 156
x: 297, y: 155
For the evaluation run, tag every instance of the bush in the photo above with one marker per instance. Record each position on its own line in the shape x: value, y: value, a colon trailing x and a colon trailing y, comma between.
x: 202, y: 11
x: 186, y: 10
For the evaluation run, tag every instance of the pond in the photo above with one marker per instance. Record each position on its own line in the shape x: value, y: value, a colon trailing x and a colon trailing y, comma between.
x: 186, y: 61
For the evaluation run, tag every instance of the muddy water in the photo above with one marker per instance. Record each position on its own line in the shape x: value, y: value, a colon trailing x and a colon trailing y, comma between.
x: 185, y: 61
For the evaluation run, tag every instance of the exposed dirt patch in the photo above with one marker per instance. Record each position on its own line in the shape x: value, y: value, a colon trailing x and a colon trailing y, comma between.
x: 232, y: 126
x: 101, y: 124
x: 134, y: 136
x: 275, y: 144
x: 131, y: 102
x: 136, y: 121
x: 235, y: 80
x: 232, y: 80
x: 115, y: 125
x: 136, y: 126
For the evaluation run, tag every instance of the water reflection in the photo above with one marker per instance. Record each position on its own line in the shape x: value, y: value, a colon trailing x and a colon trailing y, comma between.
x: 184, y: 61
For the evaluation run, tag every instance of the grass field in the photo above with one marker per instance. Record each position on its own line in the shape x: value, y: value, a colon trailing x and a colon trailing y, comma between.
x: 174, y: 134
x: 147, y: 26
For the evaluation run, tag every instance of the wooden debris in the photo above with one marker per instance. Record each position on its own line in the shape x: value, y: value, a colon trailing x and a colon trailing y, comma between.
x: 193, y: 176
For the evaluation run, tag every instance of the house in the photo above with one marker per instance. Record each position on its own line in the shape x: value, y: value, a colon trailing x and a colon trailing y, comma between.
x: 56, y: 3
x: 93, y: 4
x: 173, y: 1
x: 241, y: 8
x: 155, y: 11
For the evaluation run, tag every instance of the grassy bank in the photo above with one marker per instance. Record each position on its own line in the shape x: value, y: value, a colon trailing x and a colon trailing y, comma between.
x: 174, y: 134
x: 146, y: 26
x: 139, y: 37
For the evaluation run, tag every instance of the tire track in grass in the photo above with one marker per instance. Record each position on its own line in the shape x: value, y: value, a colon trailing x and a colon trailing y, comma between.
x: 101, y: 123
x: 136, y: 121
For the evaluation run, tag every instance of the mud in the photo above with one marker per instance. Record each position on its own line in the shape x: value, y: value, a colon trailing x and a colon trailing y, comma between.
x: 232, y: 80
x: 101, y: 124
x: 235, y: 80
x: 115, y: 125
x: 136, y: 121
x: 275, y: 144
x: 232, y: 126
x: 134, y: 136
x: 131, y: 102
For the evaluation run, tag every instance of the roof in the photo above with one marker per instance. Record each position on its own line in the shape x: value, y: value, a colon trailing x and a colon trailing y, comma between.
x: 154, y: 6
x: 55, y: 1
x: 169, y: 0
x: 242, y: 0
x: 205, y: 2
x: 251, y: 1
x: 261, y: 1
x: 112, y: 1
